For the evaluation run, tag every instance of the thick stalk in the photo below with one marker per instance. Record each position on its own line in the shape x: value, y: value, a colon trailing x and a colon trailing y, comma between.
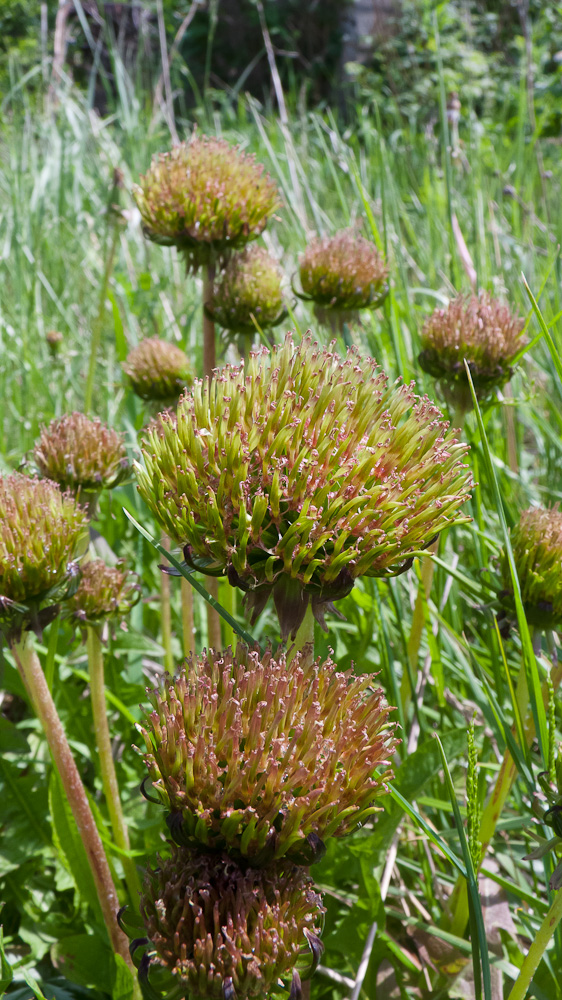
x: 166, y: 616
x: 188, y: 621
x: 34, y: 680
x: 537, y: 950
x: 214, y: 639
x: 504, y: 783
x: 107, y: 766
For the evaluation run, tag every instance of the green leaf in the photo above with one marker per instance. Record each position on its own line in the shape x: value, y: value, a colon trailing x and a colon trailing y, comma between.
x: 68, y: 844
x: 86, y: 960
x: 124, y: 980
x: 12, y: 739
x: 6, y: 974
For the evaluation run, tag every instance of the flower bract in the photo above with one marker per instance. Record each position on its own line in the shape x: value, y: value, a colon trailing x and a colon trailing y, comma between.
x: 42, y: 533
x: 249, y: 288
x: 157, y: 370
x: 218, y: 931
x: 264, y: 758
x: 536, y: 542
x: 205, y: 197
x: 299, y: 471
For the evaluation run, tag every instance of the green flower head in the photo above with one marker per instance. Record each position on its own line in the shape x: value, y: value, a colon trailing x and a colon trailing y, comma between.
x: 42, y: 533
x: 263, y: 758
x: 81, y: 454
x: 157, y: 370
x: 299, y: 471
x: 536, y: 542
x: 104, y: 593
x: 249, y: 288
x: 480, y: 329
x: 344, y: 272
x: 218, y: 931
x: 205, y: 197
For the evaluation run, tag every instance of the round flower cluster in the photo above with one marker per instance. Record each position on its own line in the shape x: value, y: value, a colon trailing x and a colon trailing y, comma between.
x: 205, y: 197
x: 157, y: 370
x: 81, y: 454
x: 536, y: 542
x: 299, y: 471
x: 344, y: 272
x: 103, y: 592
x: 249, y: 289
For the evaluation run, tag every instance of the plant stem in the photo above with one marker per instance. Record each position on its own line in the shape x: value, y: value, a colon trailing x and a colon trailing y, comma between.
x: 418, y: 623
x: 107, y: 766
x: 214, y: 638
x: 188, y: 622
x: 304, y: 639
x: 98, y: 323
x: 227, y: 599
x: 166, y: 616
x: 34, y: 680
x: 537, y: 950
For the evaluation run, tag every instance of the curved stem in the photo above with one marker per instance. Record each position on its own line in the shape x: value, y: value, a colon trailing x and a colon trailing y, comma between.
x: 107, y: 766
x: 537, y: 950
x: 34, y: 680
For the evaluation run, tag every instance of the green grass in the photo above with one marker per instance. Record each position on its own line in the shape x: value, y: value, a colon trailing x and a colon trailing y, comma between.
x: 56, y: 173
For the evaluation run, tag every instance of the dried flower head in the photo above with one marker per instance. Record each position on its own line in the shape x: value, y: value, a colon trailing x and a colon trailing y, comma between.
x: 81, y: 454
x: 54, y: 340
x: 298, y: 472
x: 216, y: 931
x: 264, y: 758
x: 104, y: 592
x: 42, y: 531
x: 249, y: 288
x: 536, y: 542
x: 205, y: 197
x: 480, y: 329
x: 344, y: 272
x: 157, y: 370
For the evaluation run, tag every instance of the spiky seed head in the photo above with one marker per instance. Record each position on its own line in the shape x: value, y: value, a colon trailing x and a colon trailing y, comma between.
x: 536, y: 542
x: 157, y: 370
x: 299, y: 471
x: 104, y: 592
x: 480, y: 329
x: 263, y: 758
x: 205, y: 197
x: 81, y: 454
x: 250, y: 286
x: 218, y: 931
x: 344, y: 272
x: 42, y: 532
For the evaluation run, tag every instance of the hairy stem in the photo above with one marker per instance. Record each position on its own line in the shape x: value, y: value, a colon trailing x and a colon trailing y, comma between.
x: 34, y: 681
x: 107, y: 767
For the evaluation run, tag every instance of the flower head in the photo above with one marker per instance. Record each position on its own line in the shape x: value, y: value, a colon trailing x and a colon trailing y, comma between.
x: 42, y: 532
x: 157, y: 370
x: 216, y: 931
x: 480, y: 329
x: 298, y: 472
x: 250, y: 287
x: 205, y: 197
x: 54, y: 340
x: 81, y: 454
x: 344, y: 272
x: 104, y: 592
x: 536, y: 542
x: 263, y: 758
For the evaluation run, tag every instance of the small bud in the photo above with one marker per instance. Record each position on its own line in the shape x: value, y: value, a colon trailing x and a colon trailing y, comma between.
x: 300, y: 471
x: 263, y: 758
x: 217, y: 931
x: 158, y: 370
x: 42, y: 532
x: 81, y: 454
x: 205, y: 197
x: 104, y: 592
x: 54, y: 340
x: 344, y: 272
x: 476, y: 328
x: 536, y: 542
x: 248, y: 289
